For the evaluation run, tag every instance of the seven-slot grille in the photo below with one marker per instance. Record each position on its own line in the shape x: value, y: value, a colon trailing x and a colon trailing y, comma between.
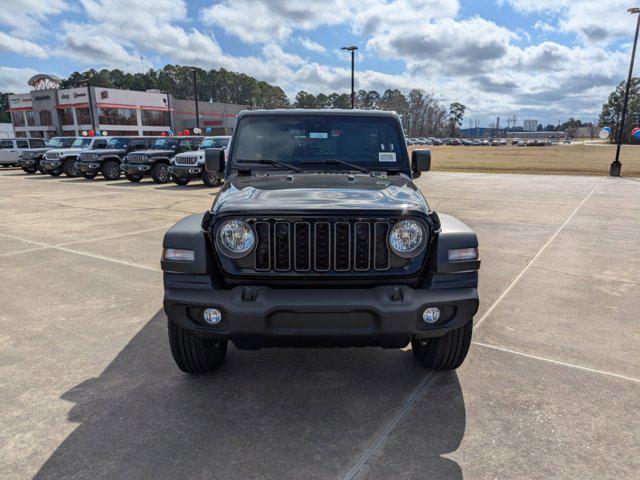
x: 89, y: 157
x: 52, y: 156
x: 187, y: 160
x: 319, y: 245
x: 136, y: 158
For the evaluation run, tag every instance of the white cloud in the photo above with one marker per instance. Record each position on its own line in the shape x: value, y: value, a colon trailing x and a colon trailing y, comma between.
x: 14, y: 80
x: 24, y: 17
x: 311, y: 45
x: 259, y: 21
x: 593, y: 21
x: 12, y: 44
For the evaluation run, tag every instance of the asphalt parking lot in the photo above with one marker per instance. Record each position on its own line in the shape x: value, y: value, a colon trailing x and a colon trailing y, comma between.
x: 550, y: 389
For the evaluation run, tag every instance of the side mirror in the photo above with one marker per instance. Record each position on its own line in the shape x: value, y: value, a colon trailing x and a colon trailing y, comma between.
x: 420, y: 162
x: 214, y: 160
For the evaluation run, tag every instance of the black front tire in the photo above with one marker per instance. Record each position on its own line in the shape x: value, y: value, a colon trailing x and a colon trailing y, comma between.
x: 194, y: 354
x: 70, y: 170
x: 29, y: 170
x: 89, y: 176
x: 446, y: 352
x: 54, y: 173
x: 160, y: 173
x: 211, y: 179
x: 111, y: 170
x: 132, y: 177
x: 180, y: 181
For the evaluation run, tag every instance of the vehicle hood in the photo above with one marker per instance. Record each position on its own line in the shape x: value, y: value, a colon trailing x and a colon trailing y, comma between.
x: 315, y: 192
x: 196, y: 153
x: 110, y: 151
x: 153, y: 153
x: 67, y: 151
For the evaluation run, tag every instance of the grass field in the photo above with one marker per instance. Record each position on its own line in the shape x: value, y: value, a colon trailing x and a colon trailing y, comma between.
x: 572, y: 159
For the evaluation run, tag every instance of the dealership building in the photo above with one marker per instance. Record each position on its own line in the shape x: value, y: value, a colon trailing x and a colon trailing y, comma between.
x: 49, y: 110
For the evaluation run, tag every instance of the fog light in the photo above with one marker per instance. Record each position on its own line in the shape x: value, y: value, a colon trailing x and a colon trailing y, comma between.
x: 212, y: 316
x: 431, y: 315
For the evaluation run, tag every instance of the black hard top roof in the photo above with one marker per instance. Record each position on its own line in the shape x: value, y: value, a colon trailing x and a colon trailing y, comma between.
x: 318, y: 111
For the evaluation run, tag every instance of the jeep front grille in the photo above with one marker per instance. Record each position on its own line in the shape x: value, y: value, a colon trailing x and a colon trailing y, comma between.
x: 136, y: 158
x: 187, y: 160
x: 89, y: 157
x: 321, y: 245
x: 52, y: 156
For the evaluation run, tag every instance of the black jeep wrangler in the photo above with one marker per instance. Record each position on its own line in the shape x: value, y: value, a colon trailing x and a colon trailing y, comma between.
x: 30, y: 159
x: 108, y: 161
x: 319, y: 237
x: 157, y: 159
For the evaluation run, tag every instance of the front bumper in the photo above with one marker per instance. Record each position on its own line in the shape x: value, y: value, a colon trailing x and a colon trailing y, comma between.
x: 135, y: 168
x: 51, y: 165
x: 186, y: 171
x: 88, y: 167
x: 257, y: 316
x: 28, y: 162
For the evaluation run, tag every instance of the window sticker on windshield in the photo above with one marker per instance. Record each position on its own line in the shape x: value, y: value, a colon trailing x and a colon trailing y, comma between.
x: 386, y: 157
x: 318, y: 135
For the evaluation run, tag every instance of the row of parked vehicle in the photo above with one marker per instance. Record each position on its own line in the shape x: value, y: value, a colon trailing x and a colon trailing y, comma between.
x: 163, y: 158
x: 475, y: 142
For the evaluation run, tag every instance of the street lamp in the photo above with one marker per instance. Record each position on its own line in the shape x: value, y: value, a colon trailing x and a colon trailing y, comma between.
x: 616, y: 166
x: 88, y: 85
x: 195, y: 95
x: 352, y: 49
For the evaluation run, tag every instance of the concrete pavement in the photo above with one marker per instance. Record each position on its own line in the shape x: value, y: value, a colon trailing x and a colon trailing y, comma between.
x: 551, y: 387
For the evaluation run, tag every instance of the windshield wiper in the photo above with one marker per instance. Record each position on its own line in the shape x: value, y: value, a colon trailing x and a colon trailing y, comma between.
x: 338, y: 162
x: 273, y: 162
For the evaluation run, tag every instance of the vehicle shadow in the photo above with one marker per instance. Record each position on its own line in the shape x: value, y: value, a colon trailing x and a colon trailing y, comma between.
x: 273, y: 413
x: 190, y: 186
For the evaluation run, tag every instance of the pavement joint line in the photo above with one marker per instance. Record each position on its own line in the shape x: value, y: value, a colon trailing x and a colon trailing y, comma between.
x: 530, y: 263
x: 86, y: 254
x: 557, y: 362
x: 390, y: 425
x: 35, y: 249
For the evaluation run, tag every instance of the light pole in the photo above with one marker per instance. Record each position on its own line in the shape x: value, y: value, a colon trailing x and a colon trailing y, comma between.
x: 352, y: 49
x: 93, y: 122
x: 616, y: 166
x: 195, y: 95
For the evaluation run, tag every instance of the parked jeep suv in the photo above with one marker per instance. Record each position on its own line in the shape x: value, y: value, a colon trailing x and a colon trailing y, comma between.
x: 189, y: 165
x: 157, y: 159
x: 12, y: 148
x: 108, y: 161
x: 63, y: 160
x: 30, y: 159
x: 319, y: 237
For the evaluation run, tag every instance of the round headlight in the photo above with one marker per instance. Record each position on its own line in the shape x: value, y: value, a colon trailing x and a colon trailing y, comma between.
x: 236, y: 238
x: 407, y: 238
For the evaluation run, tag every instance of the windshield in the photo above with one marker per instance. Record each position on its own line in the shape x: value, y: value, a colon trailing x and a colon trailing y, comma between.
x: 60, y: 142
x: 370, y: 142
x: 118, y: 143
x: 214, y: 143
x: 81, y: 142
x: 164, y: 144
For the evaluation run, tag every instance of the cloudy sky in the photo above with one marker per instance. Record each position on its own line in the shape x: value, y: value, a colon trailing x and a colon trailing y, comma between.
x: 545, y: 59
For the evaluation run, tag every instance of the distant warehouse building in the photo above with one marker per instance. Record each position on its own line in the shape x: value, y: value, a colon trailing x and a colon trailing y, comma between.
x: 49, y: 110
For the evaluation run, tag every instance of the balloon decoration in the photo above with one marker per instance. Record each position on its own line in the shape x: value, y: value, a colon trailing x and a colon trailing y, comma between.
x: 91, y: 133
x: 162, y: 134
x: 186, y: 132
x: 170, y: 133
x: 605, y: 133
x: 84, y: 133
x: 97, y: 133
x: 196, y: 131
x: 636, y: 133
x: 104, y: 133
x: 207, y: 130
x: 179, y: 134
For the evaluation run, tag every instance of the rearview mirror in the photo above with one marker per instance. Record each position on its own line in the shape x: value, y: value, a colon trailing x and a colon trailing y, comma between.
x: 420, y: 162
x: 214, y: 160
